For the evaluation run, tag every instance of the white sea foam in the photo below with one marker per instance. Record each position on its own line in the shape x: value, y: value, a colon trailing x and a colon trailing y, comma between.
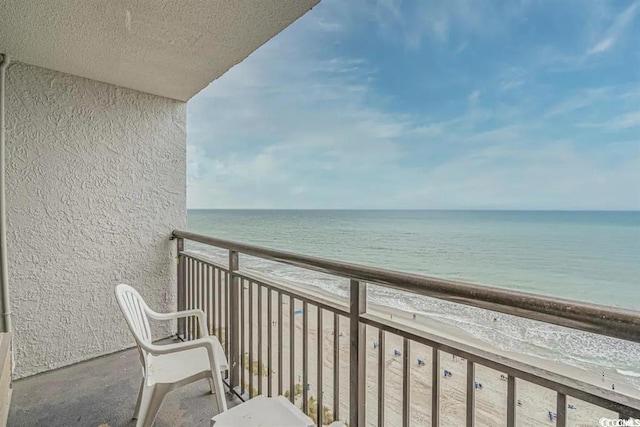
x: 628, y: 373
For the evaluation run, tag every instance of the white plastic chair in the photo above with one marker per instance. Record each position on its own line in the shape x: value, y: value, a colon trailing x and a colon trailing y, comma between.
x: 167, y: 367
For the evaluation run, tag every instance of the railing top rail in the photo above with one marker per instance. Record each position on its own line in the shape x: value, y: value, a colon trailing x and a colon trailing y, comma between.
x: 611, y: 321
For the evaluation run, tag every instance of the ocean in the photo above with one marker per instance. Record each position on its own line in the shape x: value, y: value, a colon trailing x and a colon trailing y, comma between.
x: 585, y: 256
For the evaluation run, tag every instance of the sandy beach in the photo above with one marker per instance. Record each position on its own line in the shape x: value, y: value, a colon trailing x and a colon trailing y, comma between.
x: 491, y: 400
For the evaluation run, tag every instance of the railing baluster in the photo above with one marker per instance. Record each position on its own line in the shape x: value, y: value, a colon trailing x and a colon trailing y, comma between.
x: 181, y: 284
x: 220, y: 337
x: 213, y: 300
x: 320, y: 360
x: 511, y: 401
x: 203, y: 288
x: 406, y: 383
x: 336, y: 366
x: 471, y: 399
x: 292, y: 352
x: 435, y: 387
x: 280, y: 342
x: 269, y: 344
x: 243, y: 353
x: 250, y: 356
x: 187, y: 260
x: 196, y: 273
x: 191, y: 290
x: 357, y: 353
x: 227, y: 328
x: 197, y: 297
x: 187, y: 301
x: 259, y: 313
x: 381, y: 375
x: 187, y: 281
x: 305, y: 358
x: 208, y: 299
x: 561, y: 410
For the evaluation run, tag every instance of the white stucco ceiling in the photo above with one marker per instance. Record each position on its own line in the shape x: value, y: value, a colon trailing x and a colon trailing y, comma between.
x: 171, y: 48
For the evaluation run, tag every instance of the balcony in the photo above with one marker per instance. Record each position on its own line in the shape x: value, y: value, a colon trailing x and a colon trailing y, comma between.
x: 366, y: 364
x: 103, y: 392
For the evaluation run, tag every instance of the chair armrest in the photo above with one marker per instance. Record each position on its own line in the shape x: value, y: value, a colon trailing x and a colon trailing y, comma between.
x: 207, y: 343
x: 157, y: 350
x: 202, y: 322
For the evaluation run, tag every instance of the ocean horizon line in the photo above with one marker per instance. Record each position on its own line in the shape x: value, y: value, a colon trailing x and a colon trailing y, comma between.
x: 414, y: 210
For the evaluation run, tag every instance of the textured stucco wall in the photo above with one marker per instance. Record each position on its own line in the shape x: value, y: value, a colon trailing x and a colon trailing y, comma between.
x: 95, y: 183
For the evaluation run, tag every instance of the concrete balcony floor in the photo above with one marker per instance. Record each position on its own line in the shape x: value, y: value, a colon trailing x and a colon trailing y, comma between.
x: 103, y: 392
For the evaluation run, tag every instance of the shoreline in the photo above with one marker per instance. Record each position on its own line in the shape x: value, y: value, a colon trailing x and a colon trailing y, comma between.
x: 454, y: 333
x: 537, y: 404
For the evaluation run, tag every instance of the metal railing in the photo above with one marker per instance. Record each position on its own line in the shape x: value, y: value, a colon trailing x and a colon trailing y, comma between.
x: 240, y: 304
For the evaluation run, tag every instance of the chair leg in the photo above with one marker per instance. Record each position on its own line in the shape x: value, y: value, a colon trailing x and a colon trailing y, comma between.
x: 216, y: 382
x: 137, y: 410
x: 152, y: 398
x: 211, y: 386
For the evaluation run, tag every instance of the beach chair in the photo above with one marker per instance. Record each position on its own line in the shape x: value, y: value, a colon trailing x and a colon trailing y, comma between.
x: 168, y: 367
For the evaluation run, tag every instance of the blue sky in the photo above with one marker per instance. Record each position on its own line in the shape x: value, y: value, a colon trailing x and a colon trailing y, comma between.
x: 457, y: 104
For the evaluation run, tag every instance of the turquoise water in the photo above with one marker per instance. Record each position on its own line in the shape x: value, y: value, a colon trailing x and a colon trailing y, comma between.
x: 587, y: 256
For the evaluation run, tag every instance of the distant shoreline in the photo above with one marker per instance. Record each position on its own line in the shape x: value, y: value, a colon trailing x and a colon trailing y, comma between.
x: 415, y: 210
x: 444, y: 330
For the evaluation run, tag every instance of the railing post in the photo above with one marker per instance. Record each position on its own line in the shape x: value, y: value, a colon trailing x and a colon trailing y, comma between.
x: 511, y: 401
x: 471, y: 393
x: 234, y: 319
x: 181, y: 285
x: 357, y: 353
x: 561, y: 410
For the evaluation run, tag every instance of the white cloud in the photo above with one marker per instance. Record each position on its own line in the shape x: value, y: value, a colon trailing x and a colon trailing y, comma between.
x: 298, y: 126
x: 601, y: 46
x: 510, y: 177
x: 615, y: 31
x: 582, y: 99
x: 281, y: 116
x: 623, y: 121
x: 414, y: 22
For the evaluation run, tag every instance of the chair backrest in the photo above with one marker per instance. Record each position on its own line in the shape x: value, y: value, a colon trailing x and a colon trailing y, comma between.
x: 134, y: 309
